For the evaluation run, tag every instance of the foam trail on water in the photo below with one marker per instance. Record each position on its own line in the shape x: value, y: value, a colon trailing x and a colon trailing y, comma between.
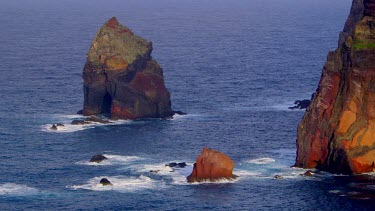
x: 13, y: 189
x: 68, y: 127
x: 185, y: 116
x: 120, y: 184
x: 178, y: 175
x: 264, y: 160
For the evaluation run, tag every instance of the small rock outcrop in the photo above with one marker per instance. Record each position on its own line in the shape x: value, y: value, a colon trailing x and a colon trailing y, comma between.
x: 79, y: 122
x: 212, y: 165
x: 308, y: 173
x: 105, y: 182
x: 301, y: 104
x: 98, y: 158
x: 57, y: 126
x: 121, y: 79
x: 178, y: 165
x: 337, y: 132
x: 53, y: 127
x: 278, y: 177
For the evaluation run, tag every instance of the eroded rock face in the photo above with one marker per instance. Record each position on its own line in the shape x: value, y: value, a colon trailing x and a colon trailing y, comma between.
x: 337, y: 132
x: 211, y: 165
x: 120, y: 77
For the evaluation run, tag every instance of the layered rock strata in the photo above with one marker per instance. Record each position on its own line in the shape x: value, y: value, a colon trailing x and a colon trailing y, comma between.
x: 337, y: 132
x: 120, y: 77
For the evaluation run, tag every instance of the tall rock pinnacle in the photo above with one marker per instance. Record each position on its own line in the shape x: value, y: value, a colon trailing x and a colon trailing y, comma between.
x: 120, y: 77
x: 337, y: 132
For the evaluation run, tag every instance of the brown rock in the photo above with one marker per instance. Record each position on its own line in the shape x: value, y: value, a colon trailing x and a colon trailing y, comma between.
x: 308, y: 173
x: 120, y: 77
x: 96, y: 119
x: 211, y: 165
x: 98, y: 158
x: 337, y: 132
x: 105, y: 182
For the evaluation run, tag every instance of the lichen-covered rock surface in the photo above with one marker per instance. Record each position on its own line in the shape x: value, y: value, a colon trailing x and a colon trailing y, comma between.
x: 212, y: 165
x: 120, y: 77
x: 337, y: 132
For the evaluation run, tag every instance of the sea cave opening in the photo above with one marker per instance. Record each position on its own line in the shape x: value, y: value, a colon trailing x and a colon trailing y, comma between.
x: 106, y: 105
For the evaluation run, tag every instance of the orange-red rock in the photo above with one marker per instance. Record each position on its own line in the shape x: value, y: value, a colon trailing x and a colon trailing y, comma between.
x: 211, y: 165
x: 337, y: 132
x: 120, y: 77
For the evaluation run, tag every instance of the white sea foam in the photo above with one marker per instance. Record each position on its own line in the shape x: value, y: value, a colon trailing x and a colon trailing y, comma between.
x: 13, y: 189
x: 180, y: 117
x: 261, y: 161
x: 120, y: 184
x: 68, y: 116
x: 112, y: 160
x: 335, y: 191
x: 178, y: 175
x: 68, y: 127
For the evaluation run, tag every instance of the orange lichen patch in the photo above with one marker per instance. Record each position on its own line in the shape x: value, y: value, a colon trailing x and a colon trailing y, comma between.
x: 363, y: 163
x: 112, y: 23
x: 346, y: 120
x: 102, y: 59
x: 116, y: 63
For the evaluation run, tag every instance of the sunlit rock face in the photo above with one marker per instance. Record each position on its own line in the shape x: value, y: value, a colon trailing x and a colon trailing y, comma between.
x: 337, y: 132
x: 212, y: 165
x: 120, y: 77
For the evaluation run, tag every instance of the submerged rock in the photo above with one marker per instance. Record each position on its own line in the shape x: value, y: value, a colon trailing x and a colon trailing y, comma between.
x: 301, y: 104
x: 180, y: 112
x: 171, y: 165
x: 120, y: 77
x: 181, y: 165
x: 98, y: 158
x: 60, y: 125
x: 79, y: 122
x: 212, y: 165
x: 97, y: 119
x: 105, y: 182
x: 308, y: 173
x: 278, y: 177
x: 337, y: 131
x: 54, y: 127
x: 178, y: 165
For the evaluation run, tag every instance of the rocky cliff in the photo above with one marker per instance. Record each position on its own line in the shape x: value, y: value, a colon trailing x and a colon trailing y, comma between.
x: 120, y: 77
x: 337, y: 132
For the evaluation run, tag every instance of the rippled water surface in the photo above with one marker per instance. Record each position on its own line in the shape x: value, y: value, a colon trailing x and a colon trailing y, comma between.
x: 233, y: 66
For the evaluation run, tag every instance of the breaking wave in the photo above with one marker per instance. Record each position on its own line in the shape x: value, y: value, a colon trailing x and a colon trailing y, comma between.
x: 12, y: 189
x: 120, y: 184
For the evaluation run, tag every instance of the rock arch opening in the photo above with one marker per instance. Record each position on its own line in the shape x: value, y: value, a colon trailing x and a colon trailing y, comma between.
x: 106, y: 104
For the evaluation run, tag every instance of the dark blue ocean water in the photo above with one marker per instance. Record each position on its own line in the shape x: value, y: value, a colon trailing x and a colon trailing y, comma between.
x: 233, y: 66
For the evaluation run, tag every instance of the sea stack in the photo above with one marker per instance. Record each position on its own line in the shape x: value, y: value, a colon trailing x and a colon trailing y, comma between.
x: 211, y: 165
x: 121, y: 79
x: 337, y: 132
